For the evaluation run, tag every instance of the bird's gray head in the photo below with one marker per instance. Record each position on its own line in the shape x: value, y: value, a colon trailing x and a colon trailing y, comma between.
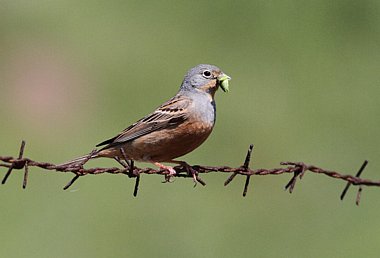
x: 205, y: 78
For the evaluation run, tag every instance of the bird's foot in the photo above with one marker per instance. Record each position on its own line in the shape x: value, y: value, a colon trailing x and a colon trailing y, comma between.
x: 169, y: 178
x: 192, y: 172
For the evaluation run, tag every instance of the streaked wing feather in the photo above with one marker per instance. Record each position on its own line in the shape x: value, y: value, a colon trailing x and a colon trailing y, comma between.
x: 169, y: 114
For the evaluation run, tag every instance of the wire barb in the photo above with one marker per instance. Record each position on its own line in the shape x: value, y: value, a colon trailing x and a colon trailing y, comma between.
x: 298, y: 169
x: 26, y: 172
x: 133, y: 174
x: 137, y: 183
x: 301, y: 168
x: 246, y: 185
x: 71, y: 182
x: 17, y: 164
x: 358, y: 195
x: 245, y: 165
x: 349, y: 183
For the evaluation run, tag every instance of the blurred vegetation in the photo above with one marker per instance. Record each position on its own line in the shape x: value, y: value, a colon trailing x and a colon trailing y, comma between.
x: 305, y: 88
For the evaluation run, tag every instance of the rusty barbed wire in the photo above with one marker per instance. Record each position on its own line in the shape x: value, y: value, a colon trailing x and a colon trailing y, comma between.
x: 297, y: 168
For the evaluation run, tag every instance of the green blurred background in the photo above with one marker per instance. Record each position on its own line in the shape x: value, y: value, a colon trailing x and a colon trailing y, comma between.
x: 305, y: 87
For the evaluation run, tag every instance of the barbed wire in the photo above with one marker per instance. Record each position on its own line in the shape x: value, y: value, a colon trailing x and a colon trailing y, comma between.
x: 298, y: 169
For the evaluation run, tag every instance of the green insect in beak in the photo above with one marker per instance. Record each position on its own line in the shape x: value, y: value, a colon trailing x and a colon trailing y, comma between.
x: 223, y: 82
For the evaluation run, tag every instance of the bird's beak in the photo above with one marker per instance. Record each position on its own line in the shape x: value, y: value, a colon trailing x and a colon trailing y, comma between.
x: 223, y: 81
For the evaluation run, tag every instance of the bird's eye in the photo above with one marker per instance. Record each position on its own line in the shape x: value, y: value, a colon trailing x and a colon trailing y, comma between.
x: 207, y: 74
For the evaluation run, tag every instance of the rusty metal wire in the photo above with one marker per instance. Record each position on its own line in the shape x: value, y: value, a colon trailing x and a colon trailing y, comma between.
x: 298, y: 169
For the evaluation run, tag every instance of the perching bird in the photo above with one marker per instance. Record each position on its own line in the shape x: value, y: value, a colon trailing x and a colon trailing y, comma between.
x: 174, y: 129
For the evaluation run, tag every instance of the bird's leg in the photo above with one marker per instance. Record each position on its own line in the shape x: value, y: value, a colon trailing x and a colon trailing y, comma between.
x: 188, y: 168
x: 125, y: 157
x: 121, y: 162
x: 170, y: 169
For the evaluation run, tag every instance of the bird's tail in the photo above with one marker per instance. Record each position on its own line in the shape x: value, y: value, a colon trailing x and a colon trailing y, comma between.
x: 80, y: 161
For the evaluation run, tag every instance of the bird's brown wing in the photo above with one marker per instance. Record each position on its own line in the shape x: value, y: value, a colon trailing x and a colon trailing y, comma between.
x: 170, y: 114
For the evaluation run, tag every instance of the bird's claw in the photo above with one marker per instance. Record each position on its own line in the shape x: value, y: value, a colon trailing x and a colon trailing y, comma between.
x: 169, y: 178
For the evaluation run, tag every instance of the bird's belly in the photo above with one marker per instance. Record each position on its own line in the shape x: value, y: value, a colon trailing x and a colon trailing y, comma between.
x: 168, y: 144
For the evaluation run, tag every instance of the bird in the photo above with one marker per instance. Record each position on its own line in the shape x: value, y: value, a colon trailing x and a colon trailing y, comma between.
x: 172, y: 130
